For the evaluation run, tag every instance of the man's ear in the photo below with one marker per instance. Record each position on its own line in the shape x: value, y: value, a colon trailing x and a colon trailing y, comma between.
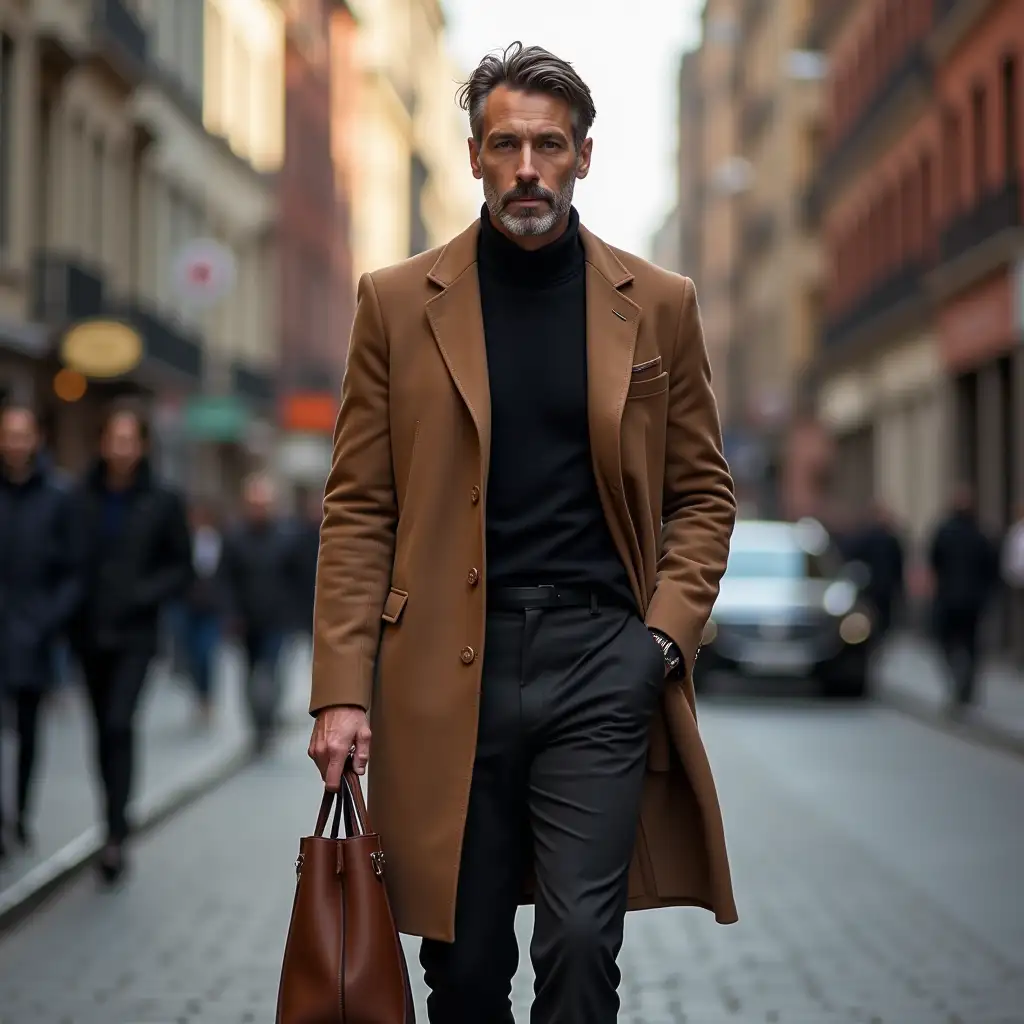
x: 583, y: 159
x: 474, y: 158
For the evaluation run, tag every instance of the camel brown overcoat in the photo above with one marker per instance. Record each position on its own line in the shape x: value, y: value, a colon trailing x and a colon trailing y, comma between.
x: 402, y: 576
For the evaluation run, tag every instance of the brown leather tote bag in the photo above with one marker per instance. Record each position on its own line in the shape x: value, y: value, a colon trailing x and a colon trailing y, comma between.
x: 343, y: 961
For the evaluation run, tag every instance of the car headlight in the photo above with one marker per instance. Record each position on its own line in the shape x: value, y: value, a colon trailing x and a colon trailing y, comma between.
x: 709, y: 634
x: 855, y: 628
x: 839, y: 598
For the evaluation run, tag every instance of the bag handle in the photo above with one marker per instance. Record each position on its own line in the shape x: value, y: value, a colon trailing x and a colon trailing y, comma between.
x: 348, y: 801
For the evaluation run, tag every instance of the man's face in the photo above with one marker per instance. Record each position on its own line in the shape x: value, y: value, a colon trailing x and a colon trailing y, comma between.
x: 527, y: 161
x: 19, y: 439
x: 121, y: 446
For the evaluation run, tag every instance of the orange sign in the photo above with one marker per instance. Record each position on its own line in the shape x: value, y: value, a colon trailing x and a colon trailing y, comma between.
x: 309, y: 413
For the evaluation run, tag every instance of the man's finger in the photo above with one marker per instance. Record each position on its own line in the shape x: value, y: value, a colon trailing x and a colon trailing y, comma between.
x: 362, y: 754
x: 332, y: 777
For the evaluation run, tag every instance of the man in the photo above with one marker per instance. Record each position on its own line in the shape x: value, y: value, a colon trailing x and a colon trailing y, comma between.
x: 965, y: 564
x: 202, y: 608
x: 134, y: 542
x: 879, y: 548
x: 522, y: 411
x: 39, y: 589
x: 306, y: 541
x: 257, y: 564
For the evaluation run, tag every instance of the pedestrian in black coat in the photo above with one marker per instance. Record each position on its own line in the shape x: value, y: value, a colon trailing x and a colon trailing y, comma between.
x: 965, y: 563
x: 39, y: 589
x: 135, y: 549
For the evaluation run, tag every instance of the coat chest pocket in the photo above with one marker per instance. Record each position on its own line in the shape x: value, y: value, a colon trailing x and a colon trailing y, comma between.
x: 648, y: 388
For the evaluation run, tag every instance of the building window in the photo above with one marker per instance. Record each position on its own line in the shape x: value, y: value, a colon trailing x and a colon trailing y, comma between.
x: 926, y: 202
x: 6, y: 149
x: 951, y: 143
x: 979, y: 140
x: 1011, y: 114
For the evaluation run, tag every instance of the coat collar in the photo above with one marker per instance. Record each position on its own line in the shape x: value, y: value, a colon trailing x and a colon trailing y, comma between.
x: 460, y: 254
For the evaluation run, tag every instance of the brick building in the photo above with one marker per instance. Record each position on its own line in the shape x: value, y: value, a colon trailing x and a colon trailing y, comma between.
x: 921, y: 367
x: 976, y: 279
x: 316, y: 264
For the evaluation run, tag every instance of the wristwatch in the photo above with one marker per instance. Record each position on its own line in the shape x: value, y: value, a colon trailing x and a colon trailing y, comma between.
x: 670, y: 651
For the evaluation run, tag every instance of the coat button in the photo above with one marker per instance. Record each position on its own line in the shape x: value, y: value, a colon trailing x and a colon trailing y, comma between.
x: 473, y: 578
x: 467, y: 655
x: 474, y: 494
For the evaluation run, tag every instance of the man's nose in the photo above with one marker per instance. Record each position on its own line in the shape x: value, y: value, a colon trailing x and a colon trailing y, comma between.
x: 526, y: 171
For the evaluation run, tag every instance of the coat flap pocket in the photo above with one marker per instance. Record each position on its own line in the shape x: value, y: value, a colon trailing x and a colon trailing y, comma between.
x: 394, y: 605
x: 648, y: 387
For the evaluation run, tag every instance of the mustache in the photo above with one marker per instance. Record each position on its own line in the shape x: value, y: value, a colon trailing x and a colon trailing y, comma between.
x: 522, y: 192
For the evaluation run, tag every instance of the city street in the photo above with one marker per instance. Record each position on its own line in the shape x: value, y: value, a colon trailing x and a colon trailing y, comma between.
x: 877, y: 866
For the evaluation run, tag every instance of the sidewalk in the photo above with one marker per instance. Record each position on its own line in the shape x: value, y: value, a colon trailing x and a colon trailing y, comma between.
x: 177, y: 761
x: 911, y: 673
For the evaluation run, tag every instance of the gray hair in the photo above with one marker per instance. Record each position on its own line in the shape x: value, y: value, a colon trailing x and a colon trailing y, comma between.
x: 528, y: 69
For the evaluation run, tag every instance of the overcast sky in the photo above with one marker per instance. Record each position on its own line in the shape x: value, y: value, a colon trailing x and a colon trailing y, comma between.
x: 628, y: 54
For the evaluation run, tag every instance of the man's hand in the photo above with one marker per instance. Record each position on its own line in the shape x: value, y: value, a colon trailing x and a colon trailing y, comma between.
x: 337, y: 733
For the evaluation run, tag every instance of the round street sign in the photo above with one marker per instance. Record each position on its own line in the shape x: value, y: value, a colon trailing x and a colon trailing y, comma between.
x: 101, y: 348
x: 204, y: 272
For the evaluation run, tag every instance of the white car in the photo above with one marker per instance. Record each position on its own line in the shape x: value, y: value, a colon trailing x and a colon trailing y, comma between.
x: 788, y: 607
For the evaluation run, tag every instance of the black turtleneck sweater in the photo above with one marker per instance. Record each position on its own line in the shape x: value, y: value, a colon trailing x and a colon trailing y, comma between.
x: 545, y: 524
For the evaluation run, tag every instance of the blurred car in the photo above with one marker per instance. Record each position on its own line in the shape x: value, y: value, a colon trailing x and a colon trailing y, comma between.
x: 788, y: 606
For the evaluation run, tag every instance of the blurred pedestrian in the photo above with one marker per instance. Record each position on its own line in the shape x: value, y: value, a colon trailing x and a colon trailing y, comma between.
x: 1012, y: 566
x: 203, y: 606
x: 965, y: 564
x: 878, y: 546
x: 258, y: 570
x: 134, y: 541
x: 306, y: 552
x: 527, y: 451
x: 39, y: 588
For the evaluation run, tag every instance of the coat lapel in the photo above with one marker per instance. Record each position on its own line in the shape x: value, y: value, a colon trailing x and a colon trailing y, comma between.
x: 457, y: 324
x: 613, y: 321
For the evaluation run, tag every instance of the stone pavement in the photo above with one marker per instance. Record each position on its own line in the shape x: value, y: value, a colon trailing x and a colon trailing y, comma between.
x: 912, y: 671
x: 877, y: 867
x: 174, y: 757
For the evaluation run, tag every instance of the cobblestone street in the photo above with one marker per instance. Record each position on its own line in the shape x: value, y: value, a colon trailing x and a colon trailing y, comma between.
x: 877, y: 866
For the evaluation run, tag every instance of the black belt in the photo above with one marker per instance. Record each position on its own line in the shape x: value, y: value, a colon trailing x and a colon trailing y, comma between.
x: 517, y: 599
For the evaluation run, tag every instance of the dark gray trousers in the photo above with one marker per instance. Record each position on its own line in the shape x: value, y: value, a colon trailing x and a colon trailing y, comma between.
x: 566, y: 702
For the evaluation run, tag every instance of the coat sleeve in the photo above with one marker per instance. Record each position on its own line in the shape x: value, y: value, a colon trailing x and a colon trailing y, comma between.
x: 699, y: 506
x: 174, y: 574
x: 357, y: 537
x: 67, y: 590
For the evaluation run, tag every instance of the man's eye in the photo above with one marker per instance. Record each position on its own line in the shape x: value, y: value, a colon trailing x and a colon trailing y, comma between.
x: 503, y: 144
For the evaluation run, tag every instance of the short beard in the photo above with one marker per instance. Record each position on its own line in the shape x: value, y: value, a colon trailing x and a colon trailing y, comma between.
x: 529, y: 224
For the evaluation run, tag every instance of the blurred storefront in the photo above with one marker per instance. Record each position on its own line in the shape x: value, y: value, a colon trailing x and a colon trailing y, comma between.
x: 983, y: 354
x: 132, y: 131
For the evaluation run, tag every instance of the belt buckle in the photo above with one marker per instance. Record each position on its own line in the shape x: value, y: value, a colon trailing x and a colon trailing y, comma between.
x: 552, y: 592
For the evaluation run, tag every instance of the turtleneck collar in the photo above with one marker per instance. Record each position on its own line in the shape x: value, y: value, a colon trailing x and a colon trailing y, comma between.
x: 500, y: 257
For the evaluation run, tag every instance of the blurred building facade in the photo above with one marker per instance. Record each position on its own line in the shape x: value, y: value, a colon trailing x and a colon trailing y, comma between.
x: 316, y: 265
x: 921, y: 376
x: 780, y: 267
x: 850, y: 205
x: 709, y: 195
x: 750, y: 112
x: 410, y: 165
x: 132, y: 130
